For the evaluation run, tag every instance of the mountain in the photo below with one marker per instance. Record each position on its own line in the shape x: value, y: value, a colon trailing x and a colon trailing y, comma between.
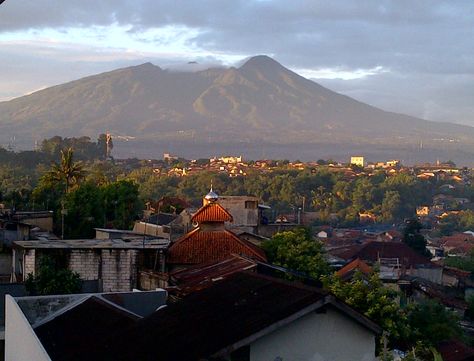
x: 261, y: 101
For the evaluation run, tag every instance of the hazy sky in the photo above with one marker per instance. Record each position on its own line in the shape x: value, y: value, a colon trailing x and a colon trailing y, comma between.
x: 414, y: 57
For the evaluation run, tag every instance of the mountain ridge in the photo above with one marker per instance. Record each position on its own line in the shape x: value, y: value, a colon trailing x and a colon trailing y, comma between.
x: 260, y: 101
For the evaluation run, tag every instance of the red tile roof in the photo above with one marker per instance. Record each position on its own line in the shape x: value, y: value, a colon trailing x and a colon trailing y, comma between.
x: 351, y: 267
x: 200, y: 246
x: 212, y: 212
x: 458, y: 243
x: 374, y: 250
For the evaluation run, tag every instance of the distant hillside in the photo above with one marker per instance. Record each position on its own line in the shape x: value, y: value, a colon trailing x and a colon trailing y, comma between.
x: 260, y: 101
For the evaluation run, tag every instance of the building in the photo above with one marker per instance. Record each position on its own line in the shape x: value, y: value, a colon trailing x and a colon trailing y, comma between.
x: 64, y: 327
x: 231, y: 159
x: 245, y: 212
x: 246, y: 317
x: 210, y: 241
x: 112, y: 263
x: 394, y: 259
x: 358, y: 161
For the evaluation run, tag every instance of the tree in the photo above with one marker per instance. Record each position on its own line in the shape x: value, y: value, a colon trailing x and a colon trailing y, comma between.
x: 297, y: 251
x: 85, y: 210
x: 431, y: 323
x: 66, y: 171
x: 370, y: 297
x: 52, y: 279
x: 390, y: 206
x: 413, y: 238
x: 121, y: 203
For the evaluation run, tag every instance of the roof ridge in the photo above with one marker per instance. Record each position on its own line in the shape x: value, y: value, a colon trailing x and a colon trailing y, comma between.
x: 209, y: 205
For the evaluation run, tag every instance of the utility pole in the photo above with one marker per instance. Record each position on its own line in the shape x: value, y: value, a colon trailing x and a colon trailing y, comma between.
x: 63, y: 213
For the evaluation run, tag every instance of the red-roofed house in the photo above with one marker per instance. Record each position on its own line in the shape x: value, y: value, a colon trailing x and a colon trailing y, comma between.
x: 210, y: 241
x: 394, y: 259
x: 347, y: 272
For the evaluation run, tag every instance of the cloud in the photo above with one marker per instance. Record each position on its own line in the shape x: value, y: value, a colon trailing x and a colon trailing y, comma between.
x: 413, y: 57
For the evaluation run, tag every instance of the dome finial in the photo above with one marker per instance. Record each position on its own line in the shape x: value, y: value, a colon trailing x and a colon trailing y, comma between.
x: 211, y: 196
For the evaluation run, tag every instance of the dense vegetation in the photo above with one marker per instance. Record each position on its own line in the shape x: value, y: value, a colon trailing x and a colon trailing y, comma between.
x: 417, y: 326
x: 35, y: 180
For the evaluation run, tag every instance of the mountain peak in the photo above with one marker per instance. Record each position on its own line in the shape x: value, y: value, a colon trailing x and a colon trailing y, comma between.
x: 147, y: 66
x: 261, y: 61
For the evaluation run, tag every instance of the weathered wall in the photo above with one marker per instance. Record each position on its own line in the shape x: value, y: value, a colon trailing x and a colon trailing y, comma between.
x: 21, y: 342
x: 116, y: 268
x: 236, y: 206
x: 29, y: 262
x: 432, y: 274
x: 119, y: 270
x: 317, y: 337
x: 86, y: 263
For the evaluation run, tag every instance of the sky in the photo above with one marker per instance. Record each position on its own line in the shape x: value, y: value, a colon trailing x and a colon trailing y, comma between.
x: 412, y: 57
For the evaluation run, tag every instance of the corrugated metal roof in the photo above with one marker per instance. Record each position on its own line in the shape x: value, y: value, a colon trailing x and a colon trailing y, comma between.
x: 210, y: 246
x: 137, y: 243
x: 196, y: 278
x: 204, y: 322
x: 212, y: 212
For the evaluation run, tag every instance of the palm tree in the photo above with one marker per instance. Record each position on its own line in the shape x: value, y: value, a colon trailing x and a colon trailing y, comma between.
x: 67, y: 171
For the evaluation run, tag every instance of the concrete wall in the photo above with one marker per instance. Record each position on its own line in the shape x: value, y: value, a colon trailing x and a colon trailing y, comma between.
x: 21, y: 342
x: 45, y: 223
x: 29, y: 262
x: 432, y: 274
x: 119, y: 270
x: 86, y: 263
x: 151, y: 229
x: 242, y: 216
x: 116, y: 268
x: 329, y: 336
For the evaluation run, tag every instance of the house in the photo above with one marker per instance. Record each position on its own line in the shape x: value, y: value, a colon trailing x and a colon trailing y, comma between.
x: 210, y: 241
x: 322, y: 234
x: 358, y: 161
x: 245, y: 212
x: 422, y: 211
x: 357, y: 265
x: 367, y: 217
x: 65, y: 327
x: 457, y: 244
x: 112, y: 263
x: 247, y: 317
x: 394, y: 258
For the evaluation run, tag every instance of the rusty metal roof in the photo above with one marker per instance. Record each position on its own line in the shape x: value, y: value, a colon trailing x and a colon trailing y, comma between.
x: 202, y: 276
